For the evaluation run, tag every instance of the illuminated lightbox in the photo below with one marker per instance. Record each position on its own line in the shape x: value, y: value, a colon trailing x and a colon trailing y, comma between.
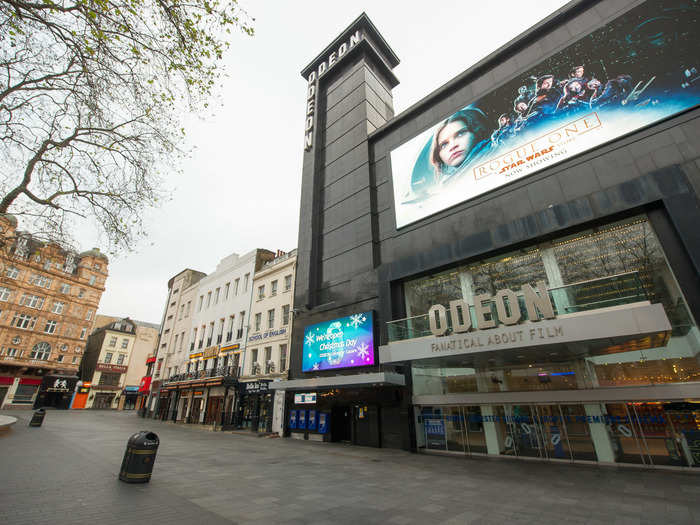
x: 340, y: 343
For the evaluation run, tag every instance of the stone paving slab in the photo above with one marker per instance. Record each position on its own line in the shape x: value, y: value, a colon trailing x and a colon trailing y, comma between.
x: 66, y: 472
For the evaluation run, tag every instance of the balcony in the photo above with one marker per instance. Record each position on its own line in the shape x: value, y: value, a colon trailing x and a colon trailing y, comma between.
x: 594, y: 294
x: 229, y: 372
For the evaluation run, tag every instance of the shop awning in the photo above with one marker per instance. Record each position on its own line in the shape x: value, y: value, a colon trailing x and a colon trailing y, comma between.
x: 354, y: 380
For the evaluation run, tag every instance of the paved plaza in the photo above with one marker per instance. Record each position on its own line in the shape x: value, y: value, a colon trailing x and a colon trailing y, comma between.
x: 66, y: 472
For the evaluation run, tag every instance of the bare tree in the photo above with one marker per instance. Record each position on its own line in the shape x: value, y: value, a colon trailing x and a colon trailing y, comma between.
x: 91, y: 96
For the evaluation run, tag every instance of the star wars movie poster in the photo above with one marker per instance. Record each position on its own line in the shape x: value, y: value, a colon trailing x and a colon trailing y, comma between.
x: 635, y: 71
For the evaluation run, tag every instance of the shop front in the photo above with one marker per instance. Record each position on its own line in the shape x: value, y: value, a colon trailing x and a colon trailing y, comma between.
x: 581, y: 348
x: 129, y: 397
x: 254, y: 407
x: 56, y: 391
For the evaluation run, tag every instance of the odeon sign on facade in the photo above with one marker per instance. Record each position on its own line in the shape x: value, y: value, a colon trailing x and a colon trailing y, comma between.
x: 508, y: 329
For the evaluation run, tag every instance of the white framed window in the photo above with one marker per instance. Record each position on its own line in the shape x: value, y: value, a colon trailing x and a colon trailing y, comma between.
x: 258, y: 321
x: 50, y: 327
x: 12, y: 352
x: 273, y: 288
x: 208, y: 299
x: 285, y: 315
x: 24, y: 321
x: 120, y: 359
x: 32, y: 301
x: 268, y: 359
x: 283, y: 358
x: 47, y: 265
x: 261, y: 292
x: 217, y: 292
x: 16, y: 340
x: 5, y: 293
x: 271, y: 318
x: 82, y: 333
x: 287, y: 283
x: 246, y: 278
x: 78, y: 350
x: 125, y: 343
x: 64, y: 347
x: 41, y: 280
x: 64, y: 288
x: 227, y: 288
x: 75, y: 359
x: 113, y: 341
x: 92, y: 280
x: 235, y: 286
x: 89, y: 315
x: 40, y: 351
x: 59, y: 359
x: 81, y: 293
x: 12, y: 272
x: 108, y: 357
x: 58, y: 307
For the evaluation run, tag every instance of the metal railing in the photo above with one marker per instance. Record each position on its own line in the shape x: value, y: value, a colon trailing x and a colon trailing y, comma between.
x: 220, y: 371
x: 625, y: 288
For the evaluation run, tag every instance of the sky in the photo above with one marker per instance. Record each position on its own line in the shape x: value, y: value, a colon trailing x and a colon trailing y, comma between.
x: 240, y: 186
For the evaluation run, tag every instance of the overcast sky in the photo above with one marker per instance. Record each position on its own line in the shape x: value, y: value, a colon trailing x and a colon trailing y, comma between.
x: 240, y: 189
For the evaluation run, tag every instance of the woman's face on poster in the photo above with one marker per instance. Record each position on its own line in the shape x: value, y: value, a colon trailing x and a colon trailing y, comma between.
x: 455, y: 141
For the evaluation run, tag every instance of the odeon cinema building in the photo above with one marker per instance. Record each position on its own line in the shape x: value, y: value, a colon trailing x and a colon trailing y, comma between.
x: 510, y: 266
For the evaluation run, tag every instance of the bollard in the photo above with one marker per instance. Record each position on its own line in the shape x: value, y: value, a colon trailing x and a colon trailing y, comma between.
x: 37, y: 418
x: 139, y: 457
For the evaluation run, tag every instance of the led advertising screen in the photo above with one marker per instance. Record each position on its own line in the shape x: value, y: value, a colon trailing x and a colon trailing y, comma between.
x: 638, y: 69
x: 340, y: 343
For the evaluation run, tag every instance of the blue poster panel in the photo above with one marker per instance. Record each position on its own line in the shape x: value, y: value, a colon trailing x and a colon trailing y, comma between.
x: 293, y: 419
x: 637, y: 70
x: 301, y: 419
x: 323, y: 420
x: 311, y: 420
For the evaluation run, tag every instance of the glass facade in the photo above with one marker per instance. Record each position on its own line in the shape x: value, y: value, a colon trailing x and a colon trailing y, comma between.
x: 606, y: 267
x: 653, y: 434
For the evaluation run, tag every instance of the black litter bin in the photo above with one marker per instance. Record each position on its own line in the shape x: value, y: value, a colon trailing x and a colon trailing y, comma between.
x: 139, y: 457
x: 37, y: 418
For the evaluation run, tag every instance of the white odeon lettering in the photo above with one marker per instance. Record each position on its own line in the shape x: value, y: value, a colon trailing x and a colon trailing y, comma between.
x: 312, y: 90
x: 507, y: 306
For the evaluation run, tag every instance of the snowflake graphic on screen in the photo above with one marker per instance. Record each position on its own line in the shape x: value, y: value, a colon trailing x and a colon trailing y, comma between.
x: 357, y: 319
x: 310, y: 339
x: 316, y: 366
x: 363, y: 351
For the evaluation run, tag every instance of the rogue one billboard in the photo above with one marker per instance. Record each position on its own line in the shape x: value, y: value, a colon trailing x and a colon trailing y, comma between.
x: 637, y: 70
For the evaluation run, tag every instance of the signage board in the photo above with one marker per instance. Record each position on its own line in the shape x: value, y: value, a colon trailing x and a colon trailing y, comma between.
x: 633, y: 72
x: 230, y: 348
x: 145, y: 384
x: 198, y: 393
x: 254, y: 387
x: 305, y: 399
x: 104, y: 367
x: 269, y: 333
x: 435, y: 434
x: 211, y: 352
x: 195, y: 355
x: 341, y: 343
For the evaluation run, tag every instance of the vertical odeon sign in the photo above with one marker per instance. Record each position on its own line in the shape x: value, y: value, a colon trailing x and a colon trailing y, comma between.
x: 312, y: 91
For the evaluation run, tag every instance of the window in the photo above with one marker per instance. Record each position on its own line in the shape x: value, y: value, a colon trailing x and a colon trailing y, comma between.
x: 75, y: 359
x: 40, y: 351
x: 254, y: 360
x: 201, y: 301
x: 16, y: 340
x: 40, y: 280
x: 235, y: 286
x: 92, y: 280
x: 285, y: 315
x: 271, y: 318
x: 81, y: 293
x: 12, y: 272
x: 96, y: 266
x: 89, y: 315
x: 4, y: 293
x: 229, y: 330
x: 47, y: 265
x: 68, y: 330
x: 59, y: 359
x: 125, y: 343
x: 258, y: 319
x: 109, y: 379
x: 226, y: 290
x: 287, y: 283
x: 64, y: 288
x: 12, y: 352
x: 82, y: 333
x: 78, y: 350
x: 50, y: 326
x: 32, y: 301
x: 246, y: 278
x: 24, y: 321
x: 261, y: 292
x: 182, y: 340
x: 113, y: 341
x: 189, y: 305
x: 273, y: 288
x: 58, y: 307
x: 120, y: 359
x: 64, y: 348
x: 208, y: 299
x: 268, y: 359
x: 283, y: 358
x: 182, y: 312
x: 217, y: 292
x: 108, y: 357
